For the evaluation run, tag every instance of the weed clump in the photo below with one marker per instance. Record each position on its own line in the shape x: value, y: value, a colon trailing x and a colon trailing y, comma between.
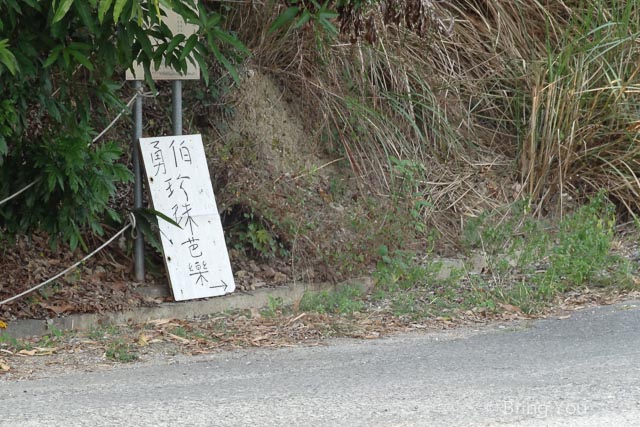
x: 346, y: 300
x: 527, y: 263
x: 120, y: 351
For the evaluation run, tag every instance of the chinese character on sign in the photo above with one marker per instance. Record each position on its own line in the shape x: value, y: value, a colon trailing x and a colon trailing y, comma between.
x: 199, y: 270
x: 184, y: 153
x: 157, y: 159
x: 188, y: 219
x: 194, y: 248
x: 169, y: 189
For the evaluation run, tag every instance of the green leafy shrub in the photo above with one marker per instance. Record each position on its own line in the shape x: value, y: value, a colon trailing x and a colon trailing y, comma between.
x: 60, y: 67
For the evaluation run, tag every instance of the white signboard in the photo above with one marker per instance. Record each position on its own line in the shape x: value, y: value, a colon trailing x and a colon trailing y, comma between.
x: 195, y: 253
x: 177, y: 25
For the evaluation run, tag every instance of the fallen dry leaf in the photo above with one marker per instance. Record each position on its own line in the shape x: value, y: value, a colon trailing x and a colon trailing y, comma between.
x: 260, y: 338
x: 160, y: 322
x: 279, y: 277
x: 143, y: 341
x: 511, y: 308
x: 38, y: 351
x: 296, y: 318
x: 3, y: 325
x: 45, y: 351
x: 59, y: 309
x: 177, y: 338
x: 4, y: 366
x: 564, y: 317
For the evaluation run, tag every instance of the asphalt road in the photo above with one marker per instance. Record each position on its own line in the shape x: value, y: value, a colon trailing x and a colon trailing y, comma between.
x: 580, y: 371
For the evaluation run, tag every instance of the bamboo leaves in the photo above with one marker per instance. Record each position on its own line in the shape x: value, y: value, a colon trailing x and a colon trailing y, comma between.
x: 7, y: 58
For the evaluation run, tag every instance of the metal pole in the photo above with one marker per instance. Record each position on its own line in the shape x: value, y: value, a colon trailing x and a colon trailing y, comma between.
x: 137, y: 188
x: 176, y: 106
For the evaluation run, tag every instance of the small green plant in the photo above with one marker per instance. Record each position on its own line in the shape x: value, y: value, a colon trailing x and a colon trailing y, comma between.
x: 500, y: 231
x: 274, y: 306
x: 200, y: 335
x: 255, y: 234
x: 408, y: 304
x: 57, y: 333
x: 398, y: 270
x: 50, y: 339
x: 189, y: 332
x: 408, y: 196
x: 120, y: 351
x: 583, y: 246
x: 221, y: 326
x: 14, y: 343
x: 260, y: 239
x: 55, y: 287
x: 345, y: 300
x: 522, y: 295
x: 102, y: 332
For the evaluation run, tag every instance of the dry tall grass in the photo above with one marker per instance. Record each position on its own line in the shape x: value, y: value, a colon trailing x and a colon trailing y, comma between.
x: 582, y: 130
x: 499, y: 99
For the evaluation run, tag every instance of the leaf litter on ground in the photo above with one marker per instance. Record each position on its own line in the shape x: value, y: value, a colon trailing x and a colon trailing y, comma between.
x: 168, y: 339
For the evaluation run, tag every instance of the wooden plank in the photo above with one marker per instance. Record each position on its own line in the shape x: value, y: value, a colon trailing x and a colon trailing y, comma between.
x: 195, y: 253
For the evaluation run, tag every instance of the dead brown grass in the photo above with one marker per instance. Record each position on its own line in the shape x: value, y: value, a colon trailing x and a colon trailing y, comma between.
x: 485, y: 96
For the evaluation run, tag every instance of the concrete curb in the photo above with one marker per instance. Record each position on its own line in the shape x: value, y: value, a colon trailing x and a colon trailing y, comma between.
x: 175, y: 310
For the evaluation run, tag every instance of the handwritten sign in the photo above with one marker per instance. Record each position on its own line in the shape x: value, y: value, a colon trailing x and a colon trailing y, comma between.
x: 195, y: 253
x: 177, y: 25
